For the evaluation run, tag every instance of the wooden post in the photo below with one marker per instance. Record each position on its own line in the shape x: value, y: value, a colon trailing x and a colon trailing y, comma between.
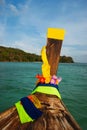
x: 53, y: 54
x: 54, y: 44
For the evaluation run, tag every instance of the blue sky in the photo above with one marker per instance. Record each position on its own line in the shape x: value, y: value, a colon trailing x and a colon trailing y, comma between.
x: 24, y: 23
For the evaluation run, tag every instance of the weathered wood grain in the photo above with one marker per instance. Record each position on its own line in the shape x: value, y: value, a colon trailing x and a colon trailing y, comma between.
x: 55, y: 117
x: 53, y: 54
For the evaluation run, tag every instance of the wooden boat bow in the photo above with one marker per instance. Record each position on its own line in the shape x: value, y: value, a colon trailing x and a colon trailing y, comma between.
x: 55, y: 114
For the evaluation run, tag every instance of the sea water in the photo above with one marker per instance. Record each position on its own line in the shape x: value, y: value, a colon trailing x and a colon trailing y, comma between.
x: 18, y: 80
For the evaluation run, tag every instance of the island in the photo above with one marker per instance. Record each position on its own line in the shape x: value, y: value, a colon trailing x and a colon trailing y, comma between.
x: 8, y: 54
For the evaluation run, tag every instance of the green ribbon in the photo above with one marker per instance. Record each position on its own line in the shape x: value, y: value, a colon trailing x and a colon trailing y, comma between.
x: 47, y: 90
x: 24, y: 117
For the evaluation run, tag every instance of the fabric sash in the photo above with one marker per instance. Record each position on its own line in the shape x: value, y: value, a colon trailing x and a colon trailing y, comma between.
x: 47, y: 90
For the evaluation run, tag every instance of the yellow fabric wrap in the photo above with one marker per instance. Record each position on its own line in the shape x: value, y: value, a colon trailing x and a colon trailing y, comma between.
x: 35, y: 101
x: 56, y: 33
x: 45, y: 66
x: 24, y: 117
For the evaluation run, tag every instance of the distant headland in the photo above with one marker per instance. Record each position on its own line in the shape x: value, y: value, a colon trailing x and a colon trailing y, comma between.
x: 8, y: 54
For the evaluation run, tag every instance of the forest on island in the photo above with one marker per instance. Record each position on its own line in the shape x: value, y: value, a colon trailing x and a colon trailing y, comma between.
x: 8, y: 54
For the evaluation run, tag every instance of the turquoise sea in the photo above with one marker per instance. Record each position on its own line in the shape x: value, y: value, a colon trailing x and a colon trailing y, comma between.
x: 18, y: 79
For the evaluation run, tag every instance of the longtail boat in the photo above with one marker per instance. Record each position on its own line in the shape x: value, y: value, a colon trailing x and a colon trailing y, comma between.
x: 43, y: 109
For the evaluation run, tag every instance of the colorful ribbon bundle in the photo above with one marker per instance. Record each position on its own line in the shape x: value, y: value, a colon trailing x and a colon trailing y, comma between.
x: 28, y: 107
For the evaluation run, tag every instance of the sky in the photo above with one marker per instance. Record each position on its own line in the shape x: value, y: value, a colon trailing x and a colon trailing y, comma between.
x: 24, y: 24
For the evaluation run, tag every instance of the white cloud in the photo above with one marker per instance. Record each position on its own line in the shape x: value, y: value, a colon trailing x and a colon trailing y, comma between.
x: 29, y: 44
x: 27, y: 47
x: 29, y: 33
x: 76, y: 34
x: 77, y: 54
x: 14, y: 9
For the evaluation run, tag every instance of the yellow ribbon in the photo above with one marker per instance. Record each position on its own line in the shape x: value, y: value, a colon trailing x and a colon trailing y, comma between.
x: 45, y: 66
